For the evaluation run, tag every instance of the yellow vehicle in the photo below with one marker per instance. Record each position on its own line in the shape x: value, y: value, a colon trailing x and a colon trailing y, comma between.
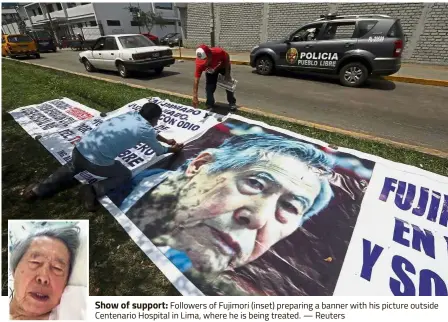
x: 19, y: 45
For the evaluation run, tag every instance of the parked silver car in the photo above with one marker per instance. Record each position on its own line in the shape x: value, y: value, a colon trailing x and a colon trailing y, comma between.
x: 126, y: 53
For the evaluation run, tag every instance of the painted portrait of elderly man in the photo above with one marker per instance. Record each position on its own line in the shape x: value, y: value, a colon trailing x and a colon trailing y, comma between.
x: 230, y: 202
x: 41, y: 264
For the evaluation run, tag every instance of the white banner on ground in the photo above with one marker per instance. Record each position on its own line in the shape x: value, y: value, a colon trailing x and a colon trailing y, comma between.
x: 377, y: 228
x: 52, y: 116
x: 178, y: 122
x: 400, y: 242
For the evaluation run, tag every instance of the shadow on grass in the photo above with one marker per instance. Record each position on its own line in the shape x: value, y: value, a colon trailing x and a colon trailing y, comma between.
x: 117, y: 265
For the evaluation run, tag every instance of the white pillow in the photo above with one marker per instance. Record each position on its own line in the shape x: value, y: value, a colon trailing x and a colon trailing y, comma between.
x: 80, y: 269
x: 73, y: 304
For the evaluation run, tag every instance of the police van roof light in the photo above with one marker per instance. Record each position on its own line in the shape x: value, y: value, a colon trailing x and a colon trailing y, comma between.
x: 329, y: 16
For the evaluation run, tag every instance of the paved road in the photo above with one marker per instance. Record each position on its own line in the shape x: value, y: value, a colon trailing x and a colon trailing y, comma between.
x: 407, y: 113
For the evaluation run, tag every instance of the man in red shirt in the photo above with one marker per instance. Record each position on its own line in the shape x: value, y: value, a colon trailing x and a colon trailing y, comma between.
x: 212, y: 61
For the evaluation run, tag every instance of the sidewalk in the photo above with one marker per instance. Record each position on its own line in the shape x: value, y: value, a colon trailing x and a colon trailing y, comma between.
x: 409, y: 73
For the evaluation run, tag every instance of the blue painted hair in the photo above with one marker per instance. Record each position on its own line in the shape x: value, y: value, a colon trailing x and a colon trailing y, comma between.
x: 241, y: 151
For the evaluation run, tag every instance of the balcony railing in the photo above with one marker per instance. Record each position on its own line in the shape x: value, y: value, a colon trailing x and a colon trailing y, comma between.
x: 37, y: 19
x: 84, y: 10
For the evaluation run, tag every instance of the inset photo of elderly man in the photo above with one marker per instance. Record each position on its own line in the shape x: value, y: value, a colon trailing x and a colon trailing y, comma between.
x: 48, y: 269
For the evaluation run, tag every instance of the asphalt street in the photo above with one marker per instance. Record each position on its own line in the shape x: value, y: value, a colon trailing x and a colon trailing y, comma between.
x: 407, y: 113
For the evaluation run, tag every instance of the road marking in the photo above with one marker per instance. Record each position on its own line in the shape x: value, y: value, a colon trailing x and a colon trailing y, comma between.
x: 252, y: 110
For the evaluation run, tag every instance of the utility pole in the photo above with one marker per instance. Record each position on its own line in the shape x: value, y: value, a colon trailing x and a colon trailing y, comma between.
x: 49, y: 18
x: 139, y: 17
x: 212, y: 25
x: 51, y: 26
x: 20, y: 22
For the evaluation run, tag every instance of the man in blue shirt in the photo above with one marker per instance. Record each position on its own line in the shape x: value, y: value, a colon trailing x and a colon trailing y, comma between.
x: 96, y: 153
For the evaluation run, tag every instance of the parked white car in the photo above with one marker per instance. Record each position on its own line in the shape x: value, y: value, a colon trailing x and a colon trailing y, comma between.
x: 126, y: 53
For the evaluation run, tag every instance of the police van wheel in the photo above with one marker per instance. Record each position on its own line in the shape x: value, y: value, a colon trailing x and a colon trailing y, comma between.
x: 264, y: 65
x: 353, y: 74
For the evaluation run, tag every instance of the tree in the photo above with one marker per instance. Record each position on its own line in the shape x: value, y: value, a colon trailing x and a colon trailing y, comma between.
x: 147, y: 19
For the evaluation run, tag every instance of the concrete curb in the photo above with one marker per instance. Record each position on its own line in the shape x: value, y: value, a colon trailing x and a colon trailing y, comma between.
x: 401, y: 79
x: 357, y: 135
x: 415, y: 80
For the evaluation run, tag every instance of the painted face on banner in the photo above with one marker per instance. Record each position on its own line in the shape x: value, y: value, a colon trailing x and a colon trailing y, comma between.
x: 41, y: 276
x: 234, y: 217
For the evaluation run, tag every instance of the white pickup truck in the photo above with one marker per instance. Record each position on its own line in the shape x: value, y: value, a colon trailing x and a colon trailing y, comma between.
x: 126, y: 53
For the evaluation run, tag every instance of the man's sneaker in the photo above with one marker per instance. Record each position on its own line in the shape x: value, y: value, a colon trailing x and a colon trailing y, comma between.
x: 209, y: 110
x: 88, y: 198
x: 233, y: 107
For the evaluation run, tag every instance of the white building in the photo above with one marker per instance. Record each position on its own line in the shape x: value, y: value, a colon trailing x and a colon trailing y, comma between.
x: 12, y: 16
x: 95, y: 19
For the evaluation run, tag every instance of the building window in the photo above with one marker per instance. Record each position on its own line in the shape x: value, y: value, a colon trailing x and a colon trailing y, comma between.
x: 93, y: 23
x: 113, y: 23
x: 135, y: 23
x: 59, y: 6
x: 163, y: 5
x: 39, y: 10
x: 71, y: 4
x: 50, y: 7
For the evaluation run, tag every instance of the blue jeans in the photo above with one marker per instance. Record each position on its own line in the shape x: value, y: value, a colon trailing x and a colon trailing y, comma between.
x: 211, y: 80
x: 115, y: 174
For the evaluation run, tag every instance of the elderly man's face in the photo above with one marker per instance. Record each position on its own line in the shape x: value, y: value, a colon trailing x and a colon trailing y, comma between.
x: 235, y: 216
x: 41, y: 276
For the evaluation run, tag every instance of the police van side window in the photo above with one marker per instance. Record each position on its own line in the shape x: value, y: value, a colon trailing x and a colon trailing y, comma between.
x: 307, y: 33
x: 396, y: 31
x: 338, y: 30
x: 365, y: 26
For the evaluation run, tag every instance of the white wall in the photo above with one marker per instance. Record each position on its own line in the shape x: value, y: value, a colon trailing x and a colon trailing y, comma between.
x: 166, y: 13
x: 79, y: 11
x: 118, y: 11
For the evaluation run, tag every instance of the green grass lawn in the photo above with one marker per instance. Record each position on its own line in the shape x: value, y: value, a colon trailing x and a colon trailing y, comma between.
x: 117, y: 265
